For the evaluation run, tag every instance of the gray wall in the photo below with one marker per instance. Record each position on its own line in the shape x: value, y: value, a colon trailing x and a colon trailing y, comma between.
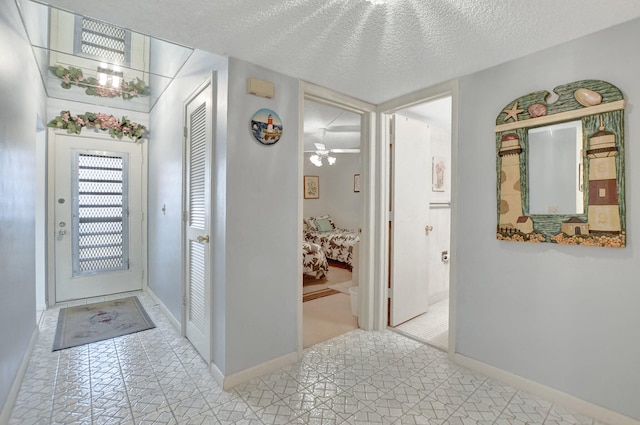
x: 337, y: 197
x: 564, y: 316
x: 165, y: 176
x: 21, y: 103
x: 261, y: 212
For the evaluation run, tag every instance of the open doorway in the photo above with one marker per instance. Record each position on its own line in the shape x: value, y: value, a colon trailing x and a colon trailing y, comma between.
x: 420, y: 229
x: 332, y: 212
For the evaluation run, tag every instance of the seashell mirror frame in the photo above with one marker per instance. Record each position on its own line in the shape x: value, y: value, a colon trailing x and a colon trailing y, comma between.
x: 601, y: 219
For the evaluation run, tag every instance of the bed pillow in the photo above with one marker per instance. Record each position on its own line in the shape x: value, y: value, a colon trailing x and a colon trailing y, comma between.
x: 323, y: 225
x: 311, y: 225
x: 328, y: 217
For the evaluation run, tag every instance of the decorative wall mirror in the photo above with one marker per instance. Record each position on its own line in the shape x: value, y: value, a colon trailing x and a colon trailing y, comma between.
x: 560, y: 166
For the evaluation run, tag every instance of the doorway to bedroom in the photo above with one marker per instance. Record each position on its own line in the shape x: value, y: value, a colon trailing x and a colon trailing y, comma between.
x: 332, y: 211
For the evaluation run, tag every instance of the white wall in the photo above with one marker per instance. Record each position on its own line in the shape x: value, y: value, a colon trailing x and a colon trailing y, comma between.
x: 337, y: 197
x: 21, y: 102
x: 262, y: 236
x: 564, y: 316
x: 165, y: 176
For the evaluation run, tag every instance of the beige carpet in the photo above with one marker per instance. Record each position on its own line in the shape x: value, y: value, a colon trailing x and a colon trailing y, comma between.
x: 335, y: 276
x: 431, y: 327
x: 325, y: 318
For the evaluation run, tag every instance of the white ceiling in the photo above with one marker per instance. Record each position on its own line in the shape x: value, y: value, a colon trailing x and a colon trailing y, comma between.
x: 373, y: 52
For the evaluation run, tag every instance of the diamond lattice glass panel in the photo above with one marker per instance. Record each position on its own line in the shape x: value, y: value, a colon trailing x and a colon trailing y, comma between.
x: 100, y: 216
x: 103, y: 40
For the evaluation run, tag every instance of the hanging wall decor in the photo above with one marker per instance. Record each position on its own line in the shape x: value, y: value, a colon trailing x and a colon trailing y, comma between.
x: 560, y: 166
x: 266, y: 126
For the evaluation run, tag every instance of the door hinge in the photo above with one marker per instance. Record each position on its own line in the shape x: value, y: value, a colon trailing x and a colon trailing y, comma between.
x: 389, y: 293
x: 184, y: 216
x: 185, y: 132
x: 141, y: 216
x: 390, y: 216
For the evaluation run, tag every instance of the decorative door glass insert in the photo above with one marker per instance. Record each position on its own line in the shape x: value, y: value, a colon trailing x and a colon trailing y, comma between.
x: 100, y: 212
x: 102, y: 40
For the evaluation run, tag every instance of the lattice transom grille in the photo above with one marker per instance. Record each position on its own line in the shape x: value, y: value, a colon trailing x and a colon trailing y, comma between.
x: 103, y: 40
x: 100, y: 214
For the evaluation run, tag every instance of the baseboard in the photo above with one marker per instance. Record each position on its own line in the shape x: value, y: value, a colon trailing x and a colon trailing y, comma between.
x: 230, y: 381
x: 174, y: 322
x: 5, y: 414
x: 557, y: 397
x: 438, y: 296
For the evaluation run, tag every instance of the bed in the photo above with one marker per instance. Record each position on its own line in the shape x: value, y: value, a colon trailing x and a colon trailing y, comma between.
x: 336, y: 243
x: 314, y: 262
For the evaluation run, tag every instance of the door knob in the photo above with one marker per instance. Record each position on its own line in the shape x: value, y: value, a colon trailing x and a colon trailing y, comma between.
x: 428, y: 228
x: 203, y: 239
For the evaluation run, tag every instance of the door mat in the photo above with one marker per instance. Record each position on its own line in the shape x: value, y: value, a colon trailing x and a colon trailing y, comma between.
x: 84, y: 324
x: 319, y: 294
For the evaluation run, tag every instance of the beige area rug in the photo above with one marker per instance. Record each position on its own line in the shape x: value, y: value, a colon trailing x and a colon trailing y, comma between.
x: 89, y: 323
x: 326, y: 318
x: 431, y: 327
x: 335, y: 279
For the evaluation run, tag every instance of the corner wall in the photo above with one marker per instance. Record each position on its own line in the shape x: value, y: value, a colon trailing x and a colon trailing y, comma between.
x: 22, y: 101
x: 166, y: 122
x: 564, y: 316
x: 262, y: 252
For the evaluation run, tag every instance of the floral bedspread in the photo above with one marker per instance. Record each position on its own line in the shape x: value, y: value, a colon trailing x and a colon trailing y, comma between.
x: 337, y: 243
x: 314, y: 262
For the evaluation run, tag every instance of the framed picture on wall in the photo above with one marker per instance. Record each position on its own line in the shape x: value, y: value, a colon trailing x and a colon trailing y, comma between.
x: 438, y: 168
x: 356, y: 182
x: 311, y: 187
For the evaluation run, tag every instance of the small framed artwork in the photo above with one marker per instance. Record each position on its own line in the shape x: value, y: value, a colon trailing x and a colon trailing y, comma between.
x: 356, y: 182
x: 438, y: 168
x: 311, y: 187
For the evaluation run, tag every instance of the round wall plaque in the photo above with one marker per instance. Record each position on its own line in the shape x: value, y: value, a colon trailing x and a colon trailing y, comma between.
x: 266, y: 126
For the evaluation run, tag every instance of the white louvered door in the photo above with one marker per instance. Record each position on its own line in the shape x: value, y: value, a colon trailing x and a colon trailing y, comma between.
x: 199, y: 140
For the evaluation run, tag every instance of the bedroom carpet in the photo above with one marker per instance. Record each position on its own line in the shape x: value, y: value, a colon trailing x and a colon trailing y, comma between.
x: 431, y: 327
x: 325, y: 318
x: 335, y: 276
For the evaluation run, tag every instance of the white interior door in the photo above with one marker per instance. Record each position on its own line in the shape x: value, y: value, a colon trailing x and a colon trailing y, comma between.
x: 97, y: 227
x: 411, y: 187
x: 198, y: 147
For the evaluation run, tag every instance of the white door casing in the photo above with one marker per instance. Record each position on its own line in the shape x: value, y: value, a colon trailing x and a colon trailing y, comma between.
x: 72, y: 208
x: 197, y: 213
x: 411, y: 188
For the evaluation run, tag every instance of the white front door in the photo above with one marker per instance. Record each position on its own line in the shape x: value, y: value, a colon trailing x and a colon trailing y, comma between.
x: 197, y: 283
x: 411, y: 188
x: 97, y: 224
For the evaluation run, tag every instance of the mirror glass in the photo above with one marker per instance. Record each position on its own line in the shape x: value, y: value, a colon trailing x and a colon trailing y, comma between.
x: 555, y: 168
x: 86, y: 60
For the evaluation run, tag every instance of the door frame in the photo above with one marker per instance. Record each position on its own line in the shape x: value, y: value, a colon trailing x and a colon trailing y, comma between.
x: 209, y: 81
x: 385, y: 110
x: 367, y: 111
x: 50, y: 211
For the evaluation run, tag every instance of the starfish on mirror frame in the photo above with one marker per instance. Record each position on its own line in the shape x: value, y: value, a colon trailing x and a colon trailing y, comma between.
x: 513, y: 112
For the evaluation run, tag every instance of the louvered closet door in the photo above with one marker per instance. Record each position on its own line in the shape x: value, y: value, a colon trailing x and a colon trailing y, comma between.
x: 97, y: 215
x: 199, y: 142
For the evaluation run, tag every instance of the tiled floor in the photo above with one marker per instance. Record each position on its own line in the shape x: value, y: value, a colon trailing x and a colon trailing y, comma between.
x: 156, y: 377
x: 431, y: 327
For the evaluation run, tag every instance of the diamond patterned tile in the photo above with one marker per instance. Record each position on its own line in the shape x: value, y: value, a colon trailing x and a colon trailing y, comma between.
x: 560, y: 416
x: 361, y: 377
x: 347, y: 404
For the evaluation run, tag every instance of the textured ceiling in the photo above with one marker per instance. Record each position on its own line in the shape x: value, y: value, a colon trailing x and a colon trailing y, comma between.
x: 373, y: 52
